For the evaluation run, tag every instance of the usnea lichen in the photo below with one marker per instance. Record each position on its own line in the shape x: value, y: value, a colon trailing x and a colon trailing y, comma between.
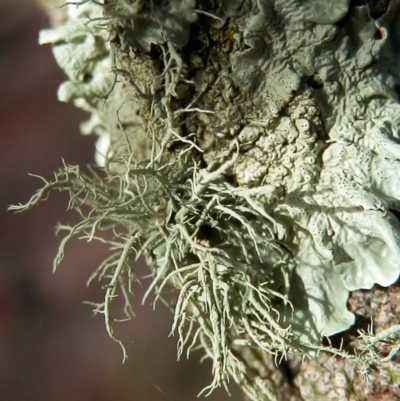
x: 251, y: 150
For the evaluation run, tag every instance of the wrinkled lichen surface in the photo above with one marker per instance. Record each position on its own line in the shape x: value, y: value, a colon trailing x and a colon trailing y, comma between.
x: 252, y: 151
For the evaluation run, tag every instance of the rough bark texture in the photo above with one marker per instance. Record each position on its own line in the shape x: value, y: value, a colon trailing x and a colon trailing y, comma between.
x: 332, y: 378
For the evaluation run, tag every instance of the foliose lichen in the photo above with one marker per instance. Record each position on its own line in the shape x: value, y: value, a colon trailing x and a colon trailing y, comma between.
x: 252, y: 151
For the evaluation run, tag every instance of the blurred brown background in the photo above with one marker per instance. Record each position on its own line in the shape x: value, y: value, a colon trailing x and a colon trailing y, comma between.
x: 51, y: 348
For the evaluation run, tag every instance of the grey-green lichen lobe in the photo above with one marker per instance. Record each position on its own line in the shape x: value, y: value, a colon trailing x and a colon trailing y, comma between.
x: 285, y: 116
x: 248, y: 82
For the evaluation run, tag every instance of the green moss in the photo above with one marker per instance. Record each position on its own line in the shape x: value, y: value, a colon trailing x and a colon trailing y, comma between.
x: 394, y: 376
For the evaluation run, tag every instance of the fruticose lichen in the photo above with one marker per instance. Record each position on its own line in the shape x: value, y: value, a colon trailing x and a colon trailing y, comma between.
x: 251, y: 151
